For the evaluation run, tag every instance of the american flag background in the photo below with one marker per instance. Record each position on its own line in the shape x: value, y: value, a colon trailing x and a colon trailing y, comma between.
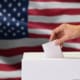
x: 44, y: 15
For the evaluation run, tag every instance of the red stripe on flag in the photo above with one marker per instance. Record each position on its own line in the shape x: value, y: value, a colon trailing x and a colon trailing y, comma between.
x: 54, y: 12
x: 10, y: 52
x: 39, y: 36
x: 7, y: 67
x: 37, y: 25
x: 74, y: 40
x: 69, y: 49
x: 10, y: 79
x: 19, y: 51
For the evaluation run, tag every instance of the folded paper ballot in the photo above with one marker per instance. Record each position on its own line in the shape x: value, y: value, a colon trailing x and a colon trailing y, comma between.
x: 51, y: 50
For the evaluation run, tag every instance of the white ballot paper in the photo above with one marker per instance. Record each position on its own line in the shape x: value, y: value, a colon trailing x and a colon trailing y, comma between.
x: 51, y: 50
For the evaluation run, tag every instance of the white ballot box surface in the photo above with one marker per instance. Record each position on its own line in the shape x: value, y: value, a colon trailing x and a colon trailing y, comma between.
x: 37, y: 67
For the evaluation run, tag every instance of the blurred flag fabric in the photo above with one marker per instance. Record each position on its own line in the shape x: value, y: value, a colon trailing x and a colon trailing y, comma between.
x: 17, y: 36
x: 13, y: 37
x: 45, y: 15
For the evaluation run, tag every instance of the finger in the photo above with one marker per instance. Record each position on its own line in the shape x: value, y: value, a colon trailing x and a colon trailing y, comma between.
x: 62, y: 40
x: 61, y: 45
x: 60, y: 28
x: 52, y: 37
x: 56, y: 31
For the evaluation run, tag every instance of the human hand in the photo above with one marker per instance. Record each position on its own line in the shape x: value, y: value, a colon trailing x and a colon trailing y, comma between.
x: 65, y: 32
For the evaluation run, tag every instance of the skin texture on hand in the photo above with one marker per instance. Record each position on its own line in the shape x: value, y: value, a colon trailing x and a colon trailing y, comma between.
x: 65, y: 32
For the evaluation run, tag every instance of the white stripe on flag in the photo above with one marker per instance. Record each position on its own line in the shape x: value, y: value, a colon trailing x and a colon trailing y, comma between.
x: 25, y: 42
x: 40, y: 31
x: 31, y: 42
x: 10, y: 74
x: 49, y: 5
x: 72, y: 45
x: 55, y: 19
x: 10, y: 60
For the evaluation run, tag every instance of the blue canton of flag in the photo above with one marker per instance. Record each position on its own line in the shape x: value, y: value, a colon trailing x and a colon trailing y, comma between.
x: 13, y: 19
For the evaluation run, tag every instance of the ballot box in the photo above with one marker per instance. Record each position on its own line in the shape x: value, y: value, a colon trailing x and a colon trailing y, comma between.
x: 35, y: 66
